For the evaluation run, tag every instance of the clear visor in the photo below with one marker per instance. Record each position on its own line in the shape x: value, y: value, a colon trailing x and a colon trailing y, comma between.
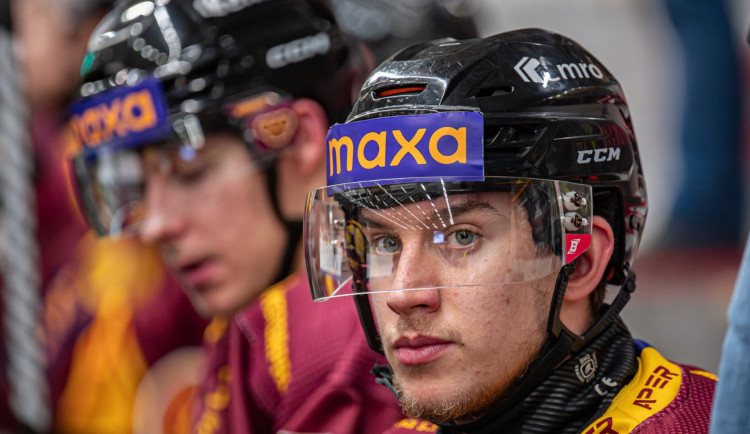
x: 110, y: 173
x: 111, y: 183
x: 439, y: 233
x: 117, y: 157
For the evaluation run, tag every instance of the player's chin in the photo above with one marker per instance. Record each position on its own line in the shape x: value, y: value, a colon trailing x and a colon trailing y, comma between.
x: 439, y: 401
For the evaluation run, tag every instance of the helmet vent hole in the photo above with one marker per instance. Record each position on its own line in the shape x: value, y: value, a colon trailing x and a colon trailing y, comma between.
x: 494, y: 91
x: 399, y: 91
x: 512, y: 141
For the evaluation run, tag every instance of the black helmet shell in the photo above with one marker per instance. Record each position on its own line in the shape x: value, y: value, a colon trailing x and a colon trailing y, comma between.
x: 551, y: 110
x: 206, y: 51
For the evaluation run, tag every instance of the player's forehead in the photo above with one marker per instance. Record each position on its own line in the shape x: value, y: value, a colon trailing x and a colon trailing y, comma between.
x: 440, y: 210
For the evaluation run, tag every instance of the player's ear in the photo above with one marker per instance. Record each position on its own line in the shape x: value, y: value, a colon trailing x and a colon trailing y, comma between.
x: 308, y: 151
x: 592, y: 264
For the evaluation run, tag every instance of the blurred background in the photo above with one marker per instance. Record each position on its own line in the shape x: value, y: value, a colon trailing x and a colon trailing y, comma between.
x: 685, y: 69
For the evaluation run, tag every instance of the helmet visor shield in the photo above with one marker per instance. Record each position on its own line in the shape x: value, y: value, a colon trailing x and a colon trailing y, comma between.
x: 442, y: 233
x: 123, y: 129
x: 112, y: 183
x: 110, y: 187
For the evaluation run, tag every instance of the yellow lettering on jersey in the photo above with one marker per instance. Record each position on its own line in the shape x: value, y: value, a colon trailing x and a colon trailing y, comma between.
x: 275, y: 312
x: 214, y: 403
x: 416, y: 425
x: 654, y: 386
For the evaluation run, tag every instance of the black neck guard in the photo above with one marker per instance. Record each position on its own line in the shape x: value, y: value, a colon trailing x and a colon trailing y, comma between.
x: 573, y: 395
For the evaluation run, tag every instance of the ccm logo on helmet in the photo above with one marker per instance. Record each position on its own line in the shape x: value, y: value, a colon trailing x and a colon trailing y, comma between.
x: 297, y: 50
x: 598, y: 155
x: 527, y: 69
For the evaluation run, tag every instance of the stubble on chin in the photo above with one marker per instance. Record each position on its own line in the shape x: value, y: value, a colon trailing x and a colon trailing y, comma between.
x: 459, y: 403
x: 465, y: 402
x: 470, y: 398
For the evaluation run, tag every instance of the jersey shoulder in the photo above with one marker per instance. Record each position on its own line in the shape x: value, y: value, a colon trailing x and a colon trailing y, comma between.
x: 663, y: 397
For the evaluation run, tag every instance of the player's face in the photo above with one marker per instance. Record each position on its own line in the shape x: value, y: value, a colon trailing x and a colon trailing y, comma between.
x: 213, y: 221
x: 456, y: 350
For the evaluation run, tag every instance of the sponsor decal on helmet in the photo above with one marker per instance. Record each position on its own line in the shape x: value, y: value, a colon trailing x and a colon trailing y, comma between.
x: 600, y: 155
x: 121, y: 116
x: 220, y: 8
x: 276, y: 128
x: 254, y: 105
x: 446, y: 144
x: 298, y: 50
x: 575, y: 245
x: 528, y: 69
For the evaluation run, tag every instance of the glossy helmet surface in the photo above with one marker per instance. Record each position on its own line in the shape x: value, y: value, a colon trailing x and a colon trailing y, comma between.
x: 204, y: 65
x: 205, y: 51
x: 551, y: 111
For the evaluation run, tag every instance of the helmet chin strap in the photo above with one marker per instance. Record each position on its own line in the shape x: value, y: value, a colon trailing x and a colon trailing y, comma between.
x: 557, y: 347
x: 293, y: 227
x: 561, y: 342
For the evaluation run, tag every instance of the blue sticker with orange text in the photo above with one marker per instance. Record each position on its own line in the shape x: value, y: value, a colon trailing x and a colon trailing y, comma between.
x: 391, y: 149
x: 122, y: 116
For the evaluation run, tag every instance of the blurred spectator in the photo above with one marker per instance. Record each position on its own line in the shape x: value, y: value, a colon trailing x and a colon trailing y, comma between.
x: 732, y: 397
x: 110, y: 312
x: 708, y: 210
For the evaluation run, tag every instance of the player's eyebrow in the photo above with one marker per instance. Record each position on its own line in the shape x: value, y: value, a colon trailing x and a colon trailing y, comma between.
x: 436, y: 219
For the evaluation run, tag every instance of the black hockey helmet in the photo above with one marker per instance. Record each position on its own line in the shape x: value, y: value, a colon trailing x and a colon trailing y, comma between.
x: 551, y: 111
x: 528, y: 112
x: 170, y: 71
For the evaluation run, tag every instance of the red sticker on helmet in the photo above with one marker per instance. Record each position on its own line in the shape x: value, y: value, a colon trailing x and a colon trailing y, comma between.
x: 575, y: 245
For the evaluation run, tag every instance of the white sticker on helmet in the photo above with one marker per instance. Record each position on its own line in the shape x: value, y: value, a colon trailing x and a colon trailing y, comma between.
x: 298, y: 50
x: 220, y: 8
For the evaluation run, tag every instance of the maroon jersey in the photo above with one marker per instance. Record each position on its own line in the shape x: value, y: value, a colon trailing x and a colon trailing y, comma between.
x: 112, y: 319
x: 662, y: 398
x: 289, y: 364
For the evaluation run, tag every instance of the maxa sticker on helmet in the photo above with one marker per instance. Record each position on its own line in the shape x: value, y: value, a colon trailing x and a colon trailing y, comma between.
x: 121, y: 117
x: 447, y: 144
